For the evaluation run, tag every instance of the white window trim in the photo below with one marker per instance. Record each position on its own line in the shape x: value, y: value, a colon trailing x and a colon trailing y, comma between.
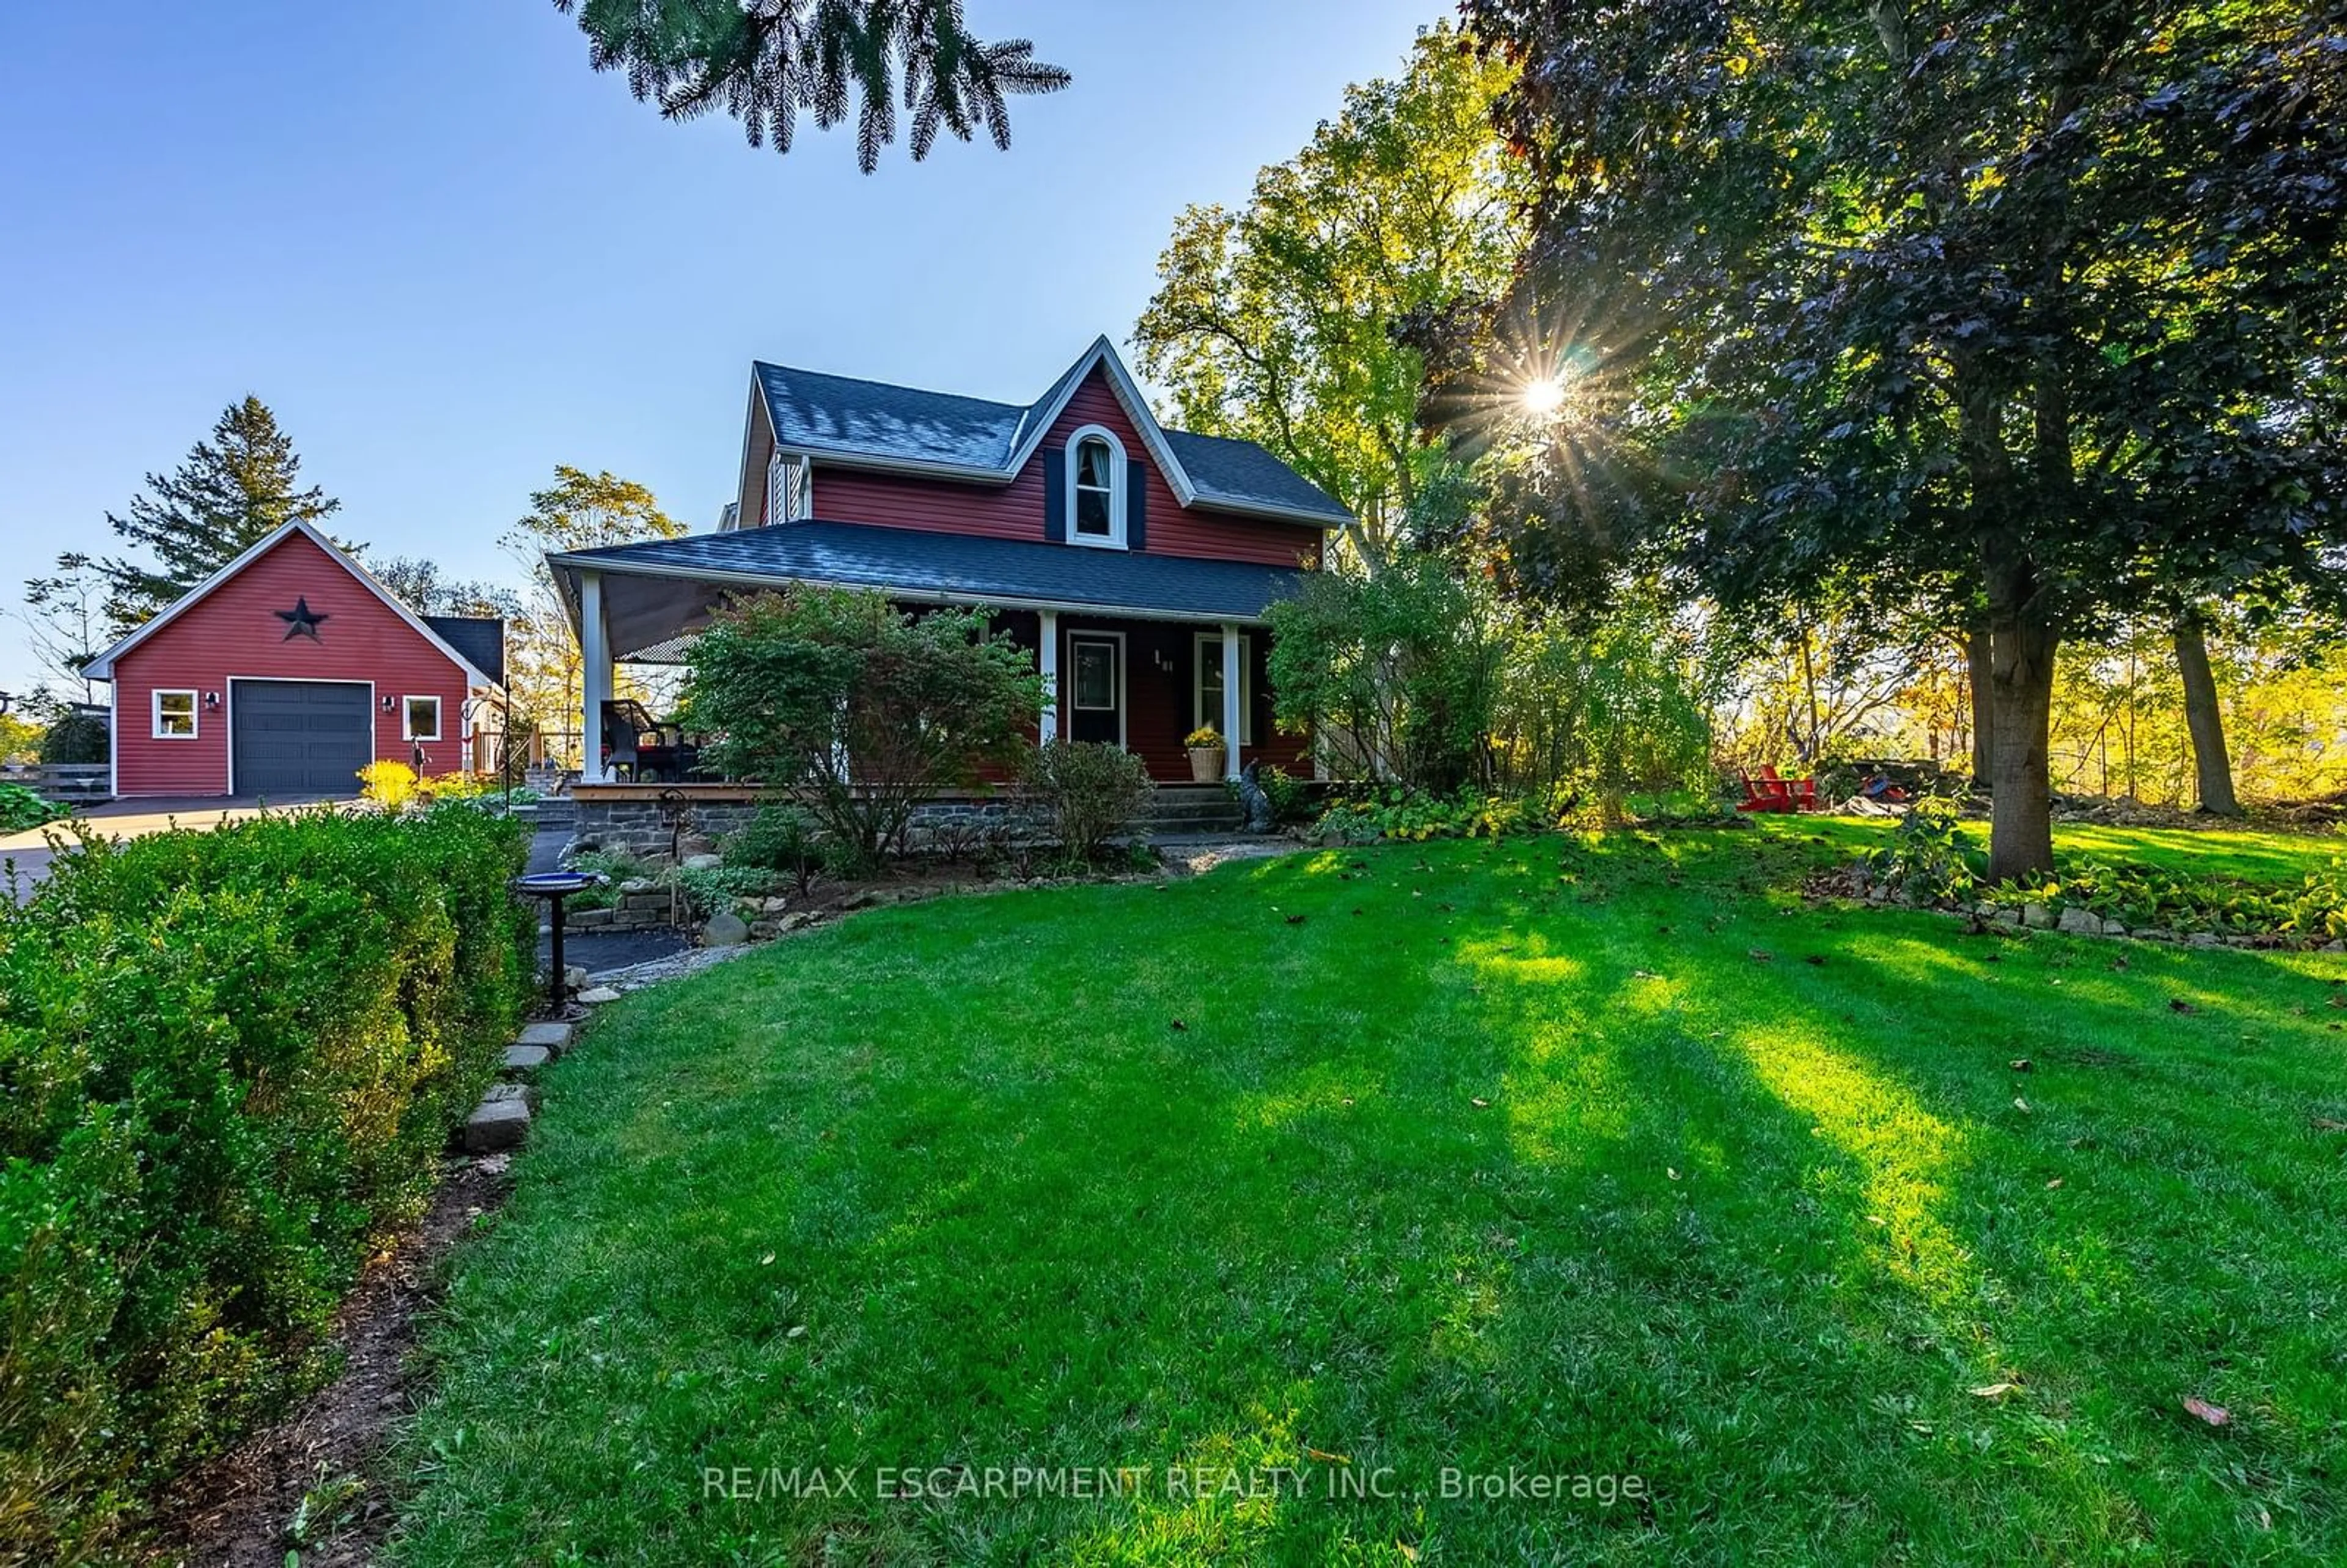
x: 1208, y: 645
x: 195, y: 713
x: 1123, y: 679
x: 407, y: 717
x: 1114, y: 538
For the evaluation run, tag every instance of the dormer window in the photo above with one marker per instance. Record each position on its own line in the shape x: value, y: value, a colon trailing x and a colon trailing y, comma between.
x: 1096, y: 489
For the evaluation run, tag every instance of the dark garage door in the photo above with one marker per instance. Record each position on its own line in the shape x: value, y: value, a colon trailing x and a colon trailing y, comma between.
x: 299, y: 737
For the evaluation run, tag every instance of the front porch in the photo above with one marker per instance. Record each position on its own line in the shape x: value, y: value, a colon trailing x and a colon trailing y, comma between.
x: 1136, y: 652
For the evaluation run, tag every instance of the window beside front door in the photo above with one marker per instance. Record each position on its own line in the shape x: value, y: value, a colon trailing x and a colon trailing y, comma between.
x: 1096, y: 687
x: 1207, y: 689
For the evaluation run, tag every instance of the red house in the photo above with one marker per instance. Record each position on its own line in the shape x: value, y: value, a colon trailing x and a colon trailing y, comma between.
x: 286, y: 672
x: 1135, y: 560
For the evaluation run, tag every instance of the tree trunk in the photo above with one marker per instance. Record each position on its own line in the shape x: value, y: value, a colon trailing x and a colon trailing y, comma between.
x: 2204, y: 719
x: 1977, y: 671
x: 2021, y: 705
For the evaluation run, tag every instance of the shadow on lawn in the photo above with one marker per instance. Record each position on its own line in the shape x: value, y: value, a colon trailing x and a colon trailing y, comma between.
x: 1750, y: 1230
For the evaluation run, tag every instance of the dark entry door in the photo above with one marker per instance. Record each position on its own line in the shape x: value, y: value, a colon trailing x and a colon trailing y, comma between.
x: 299, y: 737
x: 1096, y: 687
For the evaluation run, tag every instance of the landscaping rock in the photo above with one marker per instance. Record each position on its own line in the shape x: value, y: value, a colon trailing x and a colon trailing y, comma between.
x: 2201, y: 939
x: 2080, y: 922
x: 525, y: 1093
x: 574, y: 975
x: 704, y: 862
x: 636, y: 885
x: 797, y: 921
x: 775, y: 906
x: 2113, y: 929
x: 582, y: 919
x: 724, y: 931
x: 2004, y: 915
x: 496, y: 1123
x: 2340, y: 946
x: 2036, y: 916
x: 597, y: 996
x: 526, y: 1059
x: 554, y: 1038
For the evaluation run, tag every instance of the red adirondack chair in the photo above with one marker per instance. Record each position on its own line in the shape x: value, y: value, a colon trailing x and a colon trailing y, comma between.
x: 1771, y: 792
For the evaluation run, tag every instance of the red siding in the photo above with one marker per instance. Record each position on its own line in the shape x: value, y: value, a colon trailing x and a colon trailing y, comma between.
x: 233, y: 632
x: 1158, y: 699
x: 1015, y: 511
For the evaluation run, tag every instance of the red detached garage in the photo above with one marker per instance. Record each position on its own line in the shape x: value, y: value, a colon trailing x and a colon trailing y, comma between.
x: 288, y: 670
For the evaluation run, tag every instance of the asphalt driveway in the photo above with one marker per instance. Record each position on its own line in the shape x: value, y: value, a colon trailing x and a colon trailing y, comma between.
x: 29, y: 852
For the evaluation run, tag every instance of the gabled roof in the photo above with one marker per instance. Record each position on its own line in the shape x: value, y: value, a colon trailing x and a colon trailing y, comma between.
x: 956, y: 568
x: 479, y: 640
x: 877, y: 425
x: 102, y: 667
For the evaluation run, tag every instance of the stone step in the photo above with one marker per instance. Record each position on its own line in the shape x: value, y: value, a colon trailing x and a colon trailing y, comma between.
x: 500, y: 1121
x: 521, y: 1061
x: 553, y: 1037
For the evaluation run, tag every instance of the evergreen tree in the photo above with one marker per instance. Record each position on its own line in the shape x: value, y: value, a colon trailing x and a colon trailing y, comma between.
x: 765, y: 62
x: 233, y: 491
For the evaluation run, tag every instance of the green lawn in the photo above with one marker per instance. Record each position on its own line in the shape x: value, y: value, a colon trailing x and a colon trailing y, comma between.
x: 2272, y: 858
x: 1580, y: 1160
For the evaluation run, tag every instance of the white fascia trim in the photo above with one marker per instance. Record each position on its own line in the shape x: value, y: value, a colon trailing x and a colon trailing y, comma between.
x: 1103, y: 353
x: 102, y: 667
x: 562, y: 563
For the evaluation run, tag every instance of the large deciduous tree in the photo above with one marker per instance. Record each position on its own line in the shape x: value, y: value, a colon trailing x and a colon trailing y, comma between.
x: 765, y: 61
x: 545, y: 669
x: 2031, y: 310
x: 233, y: 491
x: 1273, y: 323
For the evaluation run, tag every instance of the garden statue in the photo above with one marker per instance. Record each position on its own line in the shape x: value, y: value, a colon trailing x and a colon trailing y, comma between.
x: 1257, y: 804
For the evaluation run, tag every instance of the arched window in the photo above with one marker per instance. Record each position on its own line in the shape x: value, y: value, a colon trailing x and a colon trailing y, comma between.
x: 1096, y: 489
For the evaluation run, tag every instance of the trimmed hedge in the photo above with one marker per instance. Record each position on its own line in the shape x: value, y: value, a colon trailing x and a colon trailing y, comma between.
x: 228, y: 1060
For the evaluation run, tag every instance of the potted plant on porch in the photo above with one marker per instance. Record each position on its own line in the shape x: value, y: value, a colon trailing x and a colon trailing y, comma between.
x: 1204, y: 745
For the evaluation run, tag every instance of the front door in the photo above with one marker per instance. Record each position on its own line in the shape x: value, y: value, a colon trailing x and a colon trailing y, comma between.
x: 1096, y: 687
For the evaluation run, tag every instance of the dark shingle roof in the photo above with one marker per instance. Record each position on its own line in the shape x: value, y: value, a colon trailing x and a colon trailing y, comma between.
x: 872, y: 418
x: 815, y: 411
x: 964, y: 568
x: 481, y: 639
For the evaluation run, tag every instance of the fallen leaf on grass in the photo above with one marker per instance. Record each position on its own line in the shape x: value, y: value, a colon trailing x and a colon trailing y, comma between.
x: 1179, y: 1027
x: 1760, y: 956
x: 1995, y: 1390
x: 2020, y: 1105
x: 1409, y: 1552
x: 1672, y: 1172
x: 2177, y: 1004
x: 1645, y: 975
x: 1296, y: 919
x: 2215, y: 1415
x: 2054, y: 1184
x: 1479, y: 1103
x: 2019, y: 1064
x: 1310, y: 1452
x: 798, y: 1331
x: 1819, y: 959
x: 2330, y: 1124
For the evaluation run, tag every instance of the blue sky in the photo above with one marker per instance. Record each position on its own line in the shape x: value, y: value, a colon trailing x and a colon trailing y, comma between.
x: 450, y: 256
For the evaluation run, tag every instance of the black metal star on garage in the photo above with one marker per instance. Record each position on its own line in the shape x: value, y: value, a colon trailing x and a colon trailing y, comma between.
x: 301, y: 622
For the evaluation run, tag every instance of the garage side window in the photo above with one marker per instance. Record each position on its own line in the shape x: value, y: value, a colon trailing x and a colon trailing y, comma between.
x: 423, y: 719
x: 175, y: 715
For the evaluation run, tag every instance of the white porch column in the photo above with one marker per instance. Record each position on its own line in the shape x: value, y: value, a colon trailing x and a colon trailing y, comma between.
x: 595, y: 674
x: 1047, y: 729
x: 1230, y: 709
